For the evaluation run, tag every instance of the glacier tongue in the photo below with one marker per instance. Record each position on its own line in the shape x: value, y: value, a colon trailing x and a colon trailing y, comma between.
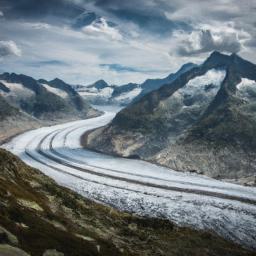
x: 233, y: 219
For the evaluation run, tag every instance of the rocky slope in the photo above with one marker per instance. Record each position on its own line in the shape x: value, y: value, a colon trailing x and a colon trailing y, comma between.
x: 204, y: 121
x: 39, y: 217
x: 28, y: 103
x: 14, y: 121
x: 43, y: 100
x: 153, y: 84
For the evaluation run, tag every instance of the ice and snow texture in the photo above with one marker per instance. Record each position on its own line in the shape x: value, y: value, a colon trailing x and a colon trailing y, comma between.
x: 17, y: 90
x: 205, y: 87
x: 56, y: 91
x: 213, y: 76
x: 106, y: 93
x: 230, y: 218
x: 247, y: 89
x: 103, y: 93
x: 128, y: 96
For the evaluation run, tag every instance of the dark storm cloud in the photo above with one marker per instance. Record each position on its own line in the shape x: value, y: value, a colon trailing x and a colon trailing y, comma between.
x: 206, y: 43
x: 39, y: 8
x: 149, y: 15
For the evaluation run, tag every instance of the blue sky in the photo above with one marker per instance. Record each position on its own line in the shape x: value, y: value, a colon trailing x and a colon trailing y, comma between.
x: 82, y: 41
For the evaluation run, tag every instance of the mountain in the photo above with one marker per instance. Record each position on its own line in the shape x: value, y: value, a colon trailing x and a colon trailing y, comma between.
x: 6, y: 109
x: 27, y: 103
x: 119, y: 90
x: 154, y: 84
x: 13, y: 120
x: 39, y: 217
x: 75, y: 102
x: 125, y: 94
x: 204, y: 121
x: 98, y: 93
x: 99, y: 85
x: 53, y: 100
x: 102, y: 93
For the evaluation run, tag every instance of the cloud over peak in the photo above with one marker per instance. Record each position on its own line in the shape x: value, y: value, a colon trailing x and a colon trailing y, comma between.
x: 204, y: 41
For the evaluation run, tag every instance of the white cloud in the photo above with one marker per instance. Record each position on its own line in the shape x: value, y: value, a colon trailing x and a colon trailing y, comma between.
x: 206, y: 41
x: 100, y: 27
x: 9, y: 48
x: 1, y: 14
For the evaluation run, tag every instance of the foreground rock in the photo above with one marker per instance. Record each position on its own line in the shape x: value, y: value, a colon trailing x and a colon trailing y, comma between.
x: 41, y: 218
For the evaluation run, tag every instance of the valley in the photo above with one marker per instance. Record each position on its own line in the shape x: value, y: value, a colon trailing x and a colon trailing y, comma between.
x: 136, y: 186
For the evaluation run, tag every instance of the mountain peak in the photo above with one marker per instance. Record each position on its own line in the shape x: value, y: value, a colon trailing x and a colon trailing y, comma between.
x: 57, y: 80
x: 100, y: 84
x: 216, y: 56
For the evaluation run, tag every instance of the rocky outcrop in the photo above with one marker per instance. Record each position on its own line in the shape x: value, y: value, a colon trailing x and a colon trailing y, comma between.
x: 7, y: 250
x: 14, y: 121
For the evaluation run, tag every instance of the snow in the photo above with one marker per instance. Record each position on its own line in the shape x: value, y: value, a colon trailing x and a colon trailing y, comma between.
x: 198, y: 85
x: 56, y: 91
x: 17, y: 89
x: 246, y: 88
x: 246, y: 83
x: 135, y: 185
x: 213, y: 76
x: 85, y: 93
x: 128, y: 96
x: 106, y: 92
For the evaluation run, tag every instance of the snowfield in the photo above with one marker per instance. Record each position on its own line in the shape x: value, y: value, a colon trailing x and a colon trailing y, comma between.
x: 16, y: 90
x: 137, y: 186
x: 56, y: 91
x: 246, y: 89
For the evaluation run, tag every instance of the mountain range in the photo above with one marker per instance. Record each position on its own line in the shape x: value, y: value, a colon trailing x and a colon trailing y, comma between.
x: 29, y: 103
x: 101, y: 92
x: 203, y: 121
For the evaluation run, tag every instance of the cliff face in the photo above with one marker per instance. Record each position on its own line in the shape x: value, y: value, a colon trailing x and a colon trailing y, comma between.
x: 38, y: 217
x: 204, y: 121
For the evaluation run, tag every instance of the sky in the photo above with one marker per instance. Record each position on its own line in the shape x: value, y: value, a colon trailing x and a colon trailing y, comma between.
x: 82, y: 41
